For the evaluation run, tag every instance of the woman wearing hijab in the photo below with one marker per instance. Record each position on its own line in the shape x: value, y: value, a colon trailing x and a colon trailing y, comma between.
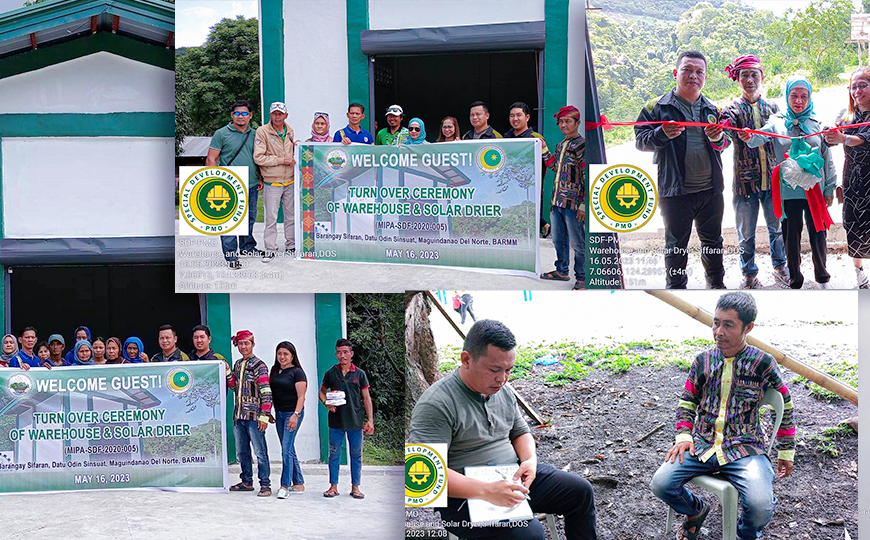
x: 320, y: 128
x: 83, y: 354
x: 81, y: 333
x: 113, y: 351
x: 856, y: 172
x: 418, y: 132
x: 803, y: 184
x: 9, y: 349
x: 133, y: 350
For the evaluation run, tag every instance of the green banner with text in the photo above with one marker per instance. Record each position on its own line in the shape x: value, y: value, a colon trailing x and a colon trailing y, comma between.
x: 469, y: 204
x: 158, y: 426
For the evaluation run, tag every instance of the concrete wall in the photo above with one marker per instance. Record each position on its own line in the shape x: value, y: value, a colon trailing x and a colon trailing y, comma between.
x: 73, y: 187
x: 315, y: 64
x: 97, y: 83
x: 274, y: 318
x: 577, y: 54
x: 395, y: 14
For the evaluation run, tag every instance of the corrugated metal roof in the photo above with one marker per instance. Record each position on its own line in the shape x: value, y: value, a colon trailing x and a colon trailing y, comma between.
x: 195, y: 146
x: 150, y: 21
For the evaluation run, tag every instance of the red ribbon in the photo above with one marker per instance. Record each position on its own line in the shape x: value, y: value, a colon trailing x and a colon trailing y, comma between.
x: 606, y: 124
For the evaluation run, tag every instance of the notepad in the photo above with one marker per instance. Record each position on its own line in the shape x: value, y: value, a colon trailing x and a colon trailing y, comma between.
x: 336, y: 398
x: 481, y: 511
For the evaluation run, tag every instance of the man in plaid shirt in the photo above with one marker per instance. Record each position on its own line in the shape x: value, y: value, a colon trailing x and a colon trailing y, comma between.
x: 718, y: 429
x: 252, y: 399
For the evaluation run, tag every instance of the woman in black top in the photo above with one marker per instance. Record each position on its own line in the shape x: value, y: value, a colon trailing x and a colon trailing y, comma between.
x: 288, y: 383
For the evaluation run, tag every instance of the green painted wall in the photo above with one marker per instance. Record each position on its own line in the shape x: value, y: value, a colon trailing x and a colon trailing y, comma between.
x: 217, y: 317
x: 357, y: 63
x: 555, y: 82
x: 128, y: 124
x: 272, y: 51
x: 327, y: 320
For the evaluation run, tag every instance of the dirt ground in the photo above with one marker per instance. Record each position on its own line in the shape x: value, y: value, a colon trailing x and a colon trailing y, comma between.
x: 602, y: 414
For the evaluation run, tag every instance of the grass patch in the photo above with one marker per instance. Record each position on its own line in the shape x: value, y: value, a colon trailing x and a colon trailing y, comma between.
x: 448, y: 358
x: 846, y: 372
x: 385, y: 447
x: 826, y: 442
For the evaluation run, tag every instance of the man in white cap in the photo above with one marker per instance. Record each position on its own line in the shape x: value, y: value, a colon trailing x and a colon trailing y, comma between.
x: 273, y: 152
x: 394, y: 134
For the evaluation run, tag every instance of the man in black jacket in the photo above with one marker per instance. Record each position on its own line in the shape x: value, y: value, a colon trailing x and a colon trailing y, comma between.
x: 690, y: 180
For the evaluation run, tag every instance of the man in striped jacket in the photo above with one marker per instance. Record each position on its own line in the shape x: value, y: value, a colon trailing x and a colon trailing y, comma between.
x: 718, y: 428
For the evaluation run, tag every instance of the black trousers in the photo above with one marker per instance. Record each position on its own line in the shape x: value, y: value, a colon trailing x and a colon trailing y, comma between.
x: 705, y: 209
x: 796, y: 211
x: 552, y: 492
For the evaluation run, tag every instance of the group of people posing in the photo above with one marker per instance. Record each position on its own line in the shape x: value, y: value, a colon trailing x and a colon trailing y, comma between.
x: 257, y: 389
x: 788, y: 174
x: 28, y: 352
x: 268, y: 154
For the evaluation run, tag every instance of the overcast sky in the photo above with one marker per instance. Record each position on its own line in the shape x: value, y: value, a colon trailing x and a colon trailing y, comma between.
x: 193, y: 18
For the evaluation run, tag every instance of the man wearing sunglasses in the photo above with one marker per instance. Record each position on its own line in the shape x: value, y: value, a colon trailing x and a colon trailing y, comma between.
x: 233, y: 145
x: 394, y: 134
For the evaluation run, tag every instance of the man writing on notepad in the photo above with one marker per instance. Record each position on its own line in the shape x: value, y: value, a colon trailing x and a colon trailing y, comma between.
x: 482, y: 425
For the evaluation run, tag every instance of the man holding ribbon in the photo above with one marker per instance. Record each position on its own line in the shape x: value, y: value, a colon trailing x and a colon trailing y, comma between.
x: 804, y: 181
x: 752, y: 171
x: 690, y: 181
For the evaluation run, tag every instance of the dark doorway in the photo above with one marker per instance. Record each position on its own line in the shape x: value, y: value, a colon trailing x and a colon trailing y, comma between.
x: 117, y: 300
x: 434, y: 86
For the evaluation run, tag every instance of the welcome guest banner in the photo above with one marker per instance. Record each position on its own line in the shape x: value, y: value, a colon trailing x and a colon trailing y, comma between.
x: 158, y: 426
x: 470, y: 204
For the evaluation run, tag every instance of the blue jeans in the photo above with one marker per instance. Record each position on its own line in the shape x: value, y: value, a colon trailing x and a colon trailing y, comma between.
x: 336, y: 447
x: 291, y: 468
x: 746, y: 213
x: 568, y: 232
x: 752, y: 476
x: 247, y: 434
x: 230, y: 244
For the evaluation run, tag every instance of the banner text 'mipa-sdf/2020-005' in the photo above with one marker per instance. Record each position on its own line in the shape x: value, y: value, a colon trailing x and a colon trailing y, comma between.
x: 472, y: 204
x: 120, y: 426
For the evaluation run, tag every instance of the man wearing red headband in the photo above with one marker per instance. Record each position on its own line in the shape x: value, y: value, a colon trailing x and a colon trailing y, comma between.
x: 689, y: 162
x: 252, y: 408
x: 752, y: 171
x: 568, y: 205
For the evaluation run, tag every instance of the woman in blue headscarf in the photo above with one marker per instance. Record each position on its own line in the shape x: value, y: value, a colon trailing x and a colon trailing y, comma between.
x: 809, y: 162
x: 133, y: 350
x: 82, y: 333
x: 83, y: 354
x: 417, y: 129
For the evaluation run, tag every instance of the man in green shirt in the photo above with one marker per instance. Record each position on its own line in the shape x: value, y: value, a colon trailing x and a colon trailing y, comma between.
x: 394, y: 134
x: 480, y: 422
x: 233, y: 145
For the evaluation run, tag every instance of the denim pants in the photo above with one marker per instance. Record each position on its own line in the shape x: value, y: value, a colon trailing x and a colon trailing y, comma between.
x: 230, y: 244
x: 752, y: 476
x: 746, y: 214
x: 290, y: 469
x: 247, y: 434
x: 336, y: 448
x: 567, y: 235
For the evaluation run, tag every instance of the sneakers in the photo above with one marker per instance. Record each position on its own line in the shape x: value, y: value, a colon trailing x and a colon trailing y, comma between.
x: 235, y: 264
x: 863, y: 281
x: 268, y: 256
x: 283, y: 492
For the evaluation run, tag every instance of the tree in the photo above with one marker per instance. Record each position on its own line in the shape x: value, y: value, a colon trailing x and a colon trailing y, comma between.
x: 225, y: 69
x: 821, y: 29
x: 421, y: 354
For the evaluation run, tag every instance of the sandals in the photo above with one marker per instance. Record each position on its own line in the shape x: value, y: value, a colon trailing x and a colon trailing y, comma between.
x: 750, y: 283
x: 545, y: 230
x: 265, y: 492
x: 330, y: 493
x: 693, y: 524
x: 357, y: 494
x: 241, y: 486
x: 555, y: 276
x: 579, y: 286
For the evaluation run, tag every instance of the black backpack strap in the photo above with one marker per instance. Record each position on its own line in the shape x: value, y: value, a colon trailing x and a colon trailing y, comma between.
x: 248, y: 134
